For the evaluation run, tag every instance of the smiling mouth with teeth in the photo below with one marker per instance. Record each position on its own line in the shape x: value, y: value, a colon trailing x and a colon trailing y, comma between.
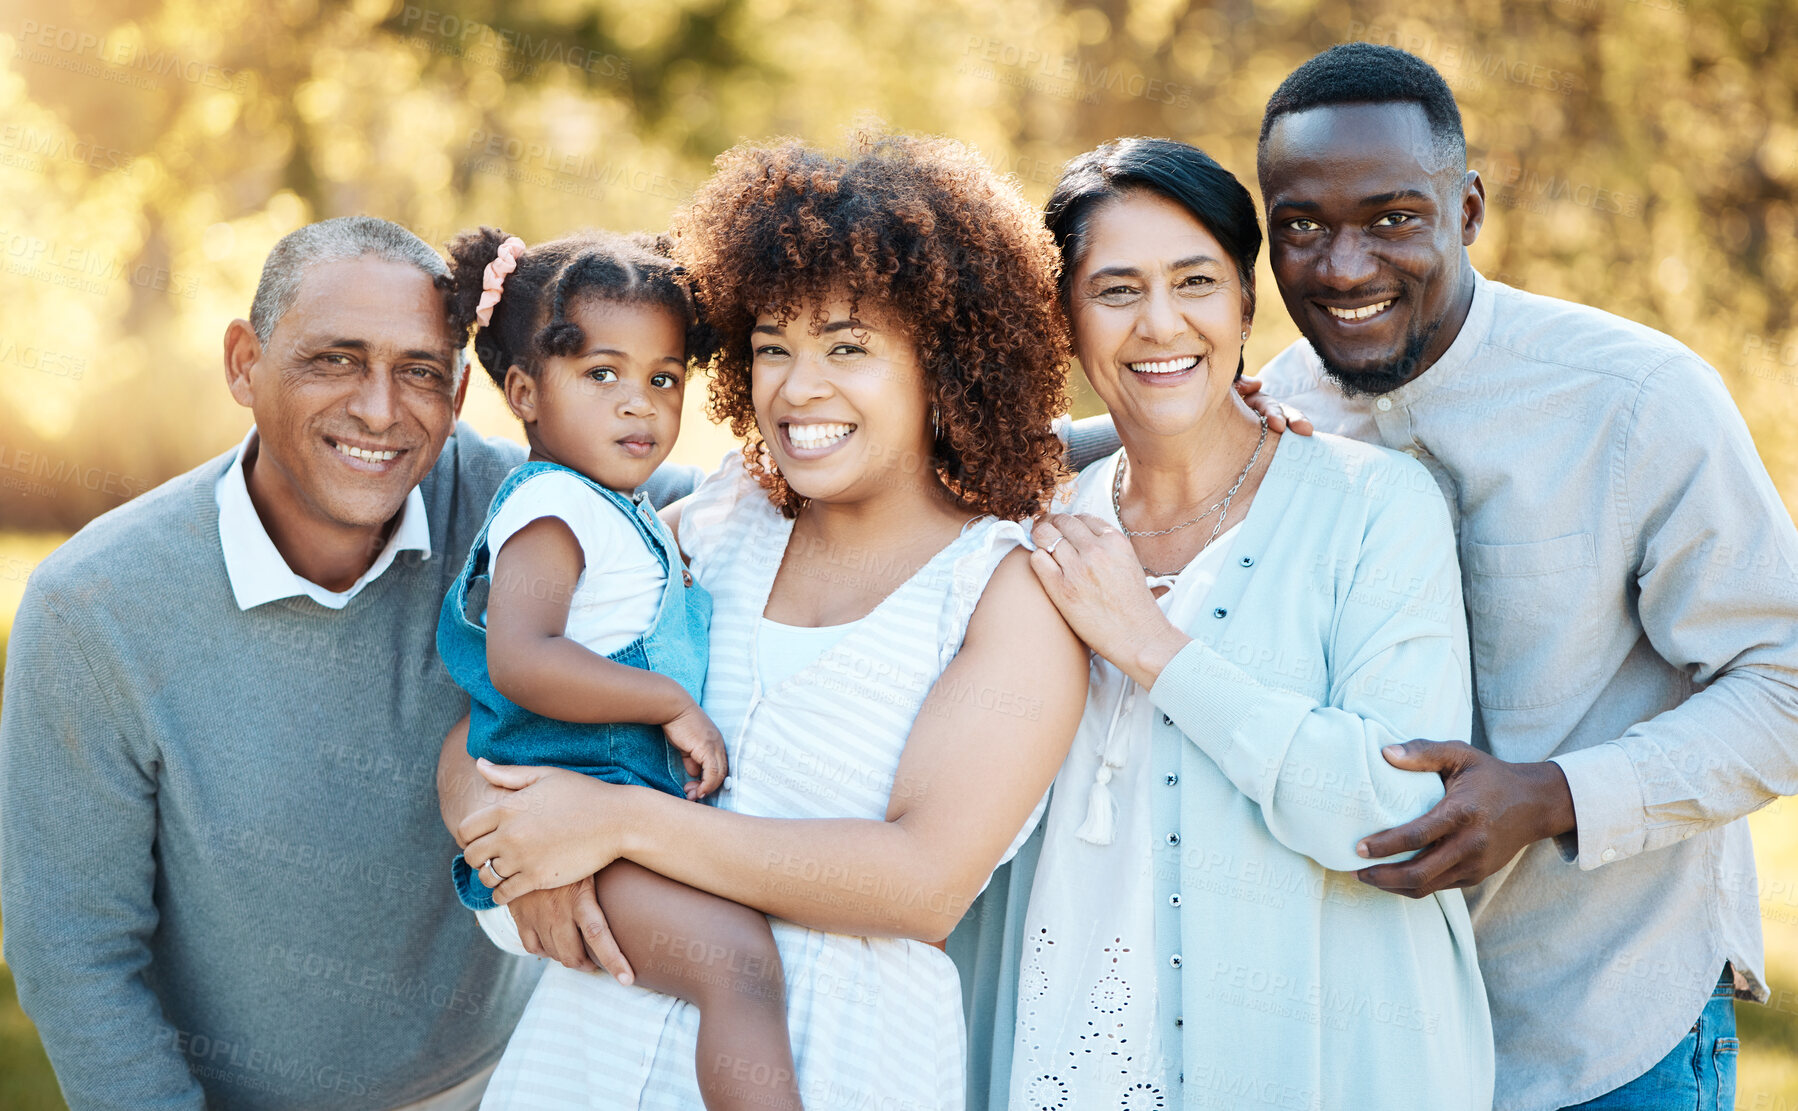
x: 1165, y: 366
x: 1361, y: 313
x: 808, y: 436
x: 365, y: 456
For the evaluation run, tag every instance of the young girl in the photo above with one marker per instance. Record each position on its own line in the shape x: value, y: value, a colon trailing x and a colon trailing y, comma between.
x: 575, y: 627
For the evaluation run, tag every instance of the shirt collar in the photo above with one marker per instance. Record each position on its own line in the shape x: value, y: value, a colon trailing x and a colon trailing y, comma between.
x: 1460, y: 354
x: 256, y: 568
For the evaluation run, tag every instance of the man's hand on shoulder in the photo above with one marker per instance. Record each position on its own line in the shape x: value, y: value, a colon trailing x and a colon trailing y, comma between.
x: 1280, y: 417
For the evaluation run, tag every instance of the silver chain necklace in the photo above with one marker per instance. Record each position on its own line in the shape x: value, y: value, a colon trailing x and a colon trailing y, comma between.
x: 1222, y: 507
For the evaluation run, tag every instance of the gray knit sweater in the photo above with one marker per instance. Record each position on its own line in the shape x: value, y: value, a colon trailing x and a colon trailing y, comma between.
x: 222, y: 870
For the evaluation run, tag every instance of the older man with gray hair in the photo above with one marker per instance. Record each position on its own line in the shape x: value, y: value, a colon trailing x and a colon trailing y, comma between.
x: 225, y: 882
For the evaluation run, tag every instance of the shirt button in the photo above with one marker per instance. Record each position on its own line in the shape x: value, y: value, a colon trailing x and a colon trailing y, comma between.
x: 1220, y: 613
x: 1174, y: 899
x: 1383, y: 404
x: 730, y: 781
x: 1247, y: 561
x: 1172, y: 779
x: 1174, y: 960
x: 1178, y: 1021
x: 1173, y: 838
x: 1608, y: 855
x: 1165, y: 720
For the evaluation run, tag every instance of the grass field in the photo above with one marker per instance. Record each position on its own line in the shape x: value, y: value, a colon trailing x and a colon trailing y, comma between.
x: 1768, y: 1073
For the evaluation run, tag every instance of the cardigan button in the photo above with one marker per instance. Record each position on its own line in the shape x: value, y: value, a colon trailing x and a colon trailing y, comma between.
x: 1173, y: 838
x: 1165, y: 720
x: 1174, y: 899
x: 1247, y: 561
x: 1220, y: 612
x: 1172, y: 779
x: 1174, y: 960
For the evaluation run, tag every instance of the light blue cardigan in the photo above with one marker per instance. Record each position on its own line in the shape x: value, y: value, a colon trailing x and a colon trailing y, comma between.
x: 1337, y: 626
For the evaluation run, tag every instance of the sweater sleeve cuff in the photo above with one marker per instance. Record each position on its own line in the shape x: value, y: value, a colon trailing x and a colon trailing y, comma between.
x: 1607, y: 806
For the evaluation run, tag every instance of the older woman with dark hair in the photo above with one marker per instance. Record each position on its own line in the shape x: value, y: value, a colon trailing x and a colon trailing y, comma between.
x: 1266, y: 614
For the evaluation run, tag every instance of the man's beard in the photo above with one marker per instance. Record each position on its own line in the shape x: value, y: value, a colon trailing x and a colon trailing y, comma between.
x: 1384, y: 377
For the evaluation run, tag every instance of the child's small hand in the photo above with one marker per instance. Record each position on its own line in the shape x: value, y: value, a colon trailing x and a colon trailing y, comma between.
x: 701, y: 747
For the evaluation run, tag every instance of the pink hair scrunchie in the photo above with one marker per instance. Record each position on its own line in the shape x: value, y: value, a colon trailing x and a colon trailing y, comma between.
x: 493, y: 279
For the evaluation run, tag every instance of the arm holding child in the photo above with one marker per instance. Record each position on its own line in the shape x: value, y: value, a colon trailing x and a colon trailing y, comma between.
x: 968, y: 780
x: 562, y: 923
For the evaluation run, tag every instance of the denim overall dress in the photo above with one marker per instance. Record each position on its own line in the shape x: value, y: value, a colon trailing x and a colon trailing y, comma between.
x: 675, y: 645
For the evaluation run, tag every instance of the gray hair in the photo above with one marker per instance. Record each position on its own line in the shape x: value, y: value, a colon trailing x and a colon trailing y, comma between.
x: 337, y: 240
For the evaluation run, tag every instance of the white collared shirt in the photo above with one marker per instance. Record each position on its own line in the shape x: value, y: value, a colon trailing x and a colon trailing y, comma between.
x: 257, y: 570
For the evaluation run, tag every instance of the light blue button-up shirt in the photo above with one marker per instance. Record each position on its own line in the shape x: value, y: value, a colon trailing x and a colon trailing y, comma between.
x: 1216, y: 951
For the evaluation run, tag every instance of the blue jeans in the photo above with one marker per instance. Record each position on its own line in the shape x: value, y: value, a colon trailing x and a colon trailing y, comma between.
x: 1700, y: 1073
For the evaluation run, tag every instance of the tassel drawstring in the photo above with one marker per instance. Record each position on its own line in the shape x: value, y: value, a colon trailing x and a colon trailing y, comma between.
x: 1100, y: 826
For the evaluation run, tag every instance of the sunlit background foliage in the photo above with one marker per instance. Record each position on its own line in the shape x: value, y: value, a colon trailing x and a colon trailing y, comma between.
x: 1640, y: 155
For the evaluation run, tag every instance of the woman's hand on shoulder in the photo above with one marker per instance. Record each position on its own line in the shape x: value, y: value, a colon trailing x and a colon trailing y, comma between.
x: 1090, y: 571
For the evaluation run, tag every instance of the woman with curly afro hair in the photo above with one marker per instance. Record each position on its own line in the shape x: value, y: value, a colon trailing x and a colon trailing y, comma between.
x: 895, y: 689
x: 952, y: 255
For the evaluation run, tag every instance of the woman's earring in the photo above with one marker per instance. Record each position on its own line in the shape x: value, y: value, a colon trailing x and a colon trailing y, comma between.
x: 936, y: 427
x: 1245, y: 337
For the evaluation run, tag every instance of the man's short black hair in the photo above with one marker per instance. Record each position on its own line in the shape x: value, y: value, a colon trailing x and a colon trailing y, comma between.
x: 1368, y: 73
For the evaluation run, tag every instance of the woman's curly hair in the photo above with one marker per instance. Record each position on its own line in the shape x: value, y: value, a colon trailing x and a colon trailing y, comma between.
x: 925, y: 231
x: 531, y: 319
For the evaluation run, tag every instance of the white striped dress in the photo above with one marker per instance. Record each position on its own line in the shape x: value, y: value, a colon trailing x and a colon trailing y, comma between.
x: 876, y: 1022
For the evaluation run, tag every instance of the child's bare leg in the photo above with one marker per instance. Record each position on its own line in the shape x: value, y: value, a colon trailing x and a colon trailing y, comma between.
x: 720, y: 957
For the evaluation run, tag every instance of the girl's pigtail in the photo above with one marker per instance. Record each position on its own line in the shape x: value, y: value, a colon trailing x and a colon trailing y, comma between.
x: 471, y: 252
